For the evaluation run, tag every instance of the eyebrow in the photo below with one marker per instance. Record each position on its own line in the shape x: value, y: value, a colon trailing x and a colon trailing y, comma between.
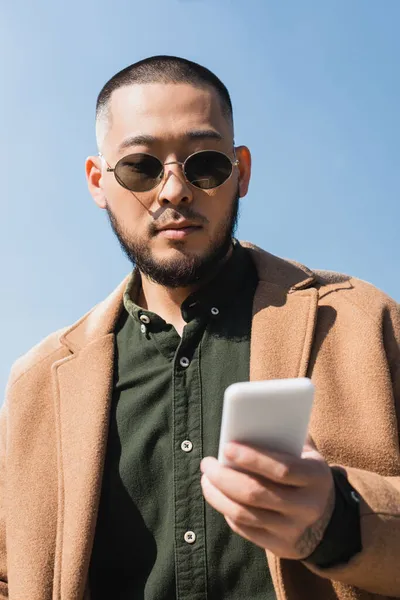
x: 149, y: 140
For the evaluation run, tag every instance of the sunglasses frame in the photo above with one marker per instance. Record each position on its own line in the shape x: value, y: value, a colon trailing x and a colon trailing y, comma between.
x: 110, y: 169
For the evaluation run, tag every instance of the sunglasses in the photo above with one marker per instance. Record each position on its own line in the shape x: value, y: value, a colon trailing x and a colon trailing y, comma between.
x: 207, y: 169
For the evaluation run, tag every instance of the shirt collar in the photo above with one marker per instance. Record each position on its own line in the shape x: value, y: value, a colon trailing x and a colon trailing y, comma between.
x: 216, y: 294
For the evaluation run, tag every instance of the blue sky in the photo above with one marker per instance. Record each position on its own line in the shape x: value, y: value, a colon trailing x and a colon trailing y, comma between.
x: 316, y: 94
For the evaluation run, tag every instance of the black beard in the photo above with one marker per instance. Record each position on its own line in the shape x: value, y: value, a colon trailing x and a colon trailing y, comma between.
x: 185, y: 270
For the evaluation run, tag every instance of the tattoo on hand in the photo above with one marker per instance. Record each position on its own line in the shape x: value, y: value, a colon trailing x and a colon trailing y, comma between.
x: 313, y: 535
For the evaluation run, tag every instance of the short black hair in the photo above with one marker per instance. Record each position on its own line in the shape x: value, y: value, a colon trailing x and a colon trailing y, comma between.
x: 164, y: 69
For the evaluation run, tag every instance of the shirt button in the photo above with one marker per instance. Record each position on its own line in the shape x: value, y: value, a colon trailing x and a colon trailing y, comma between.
x: 184, y: 362
x: 187, y: 446
x: 214, y: 311
x: 190, y: 537
x: 145, y: 319
x: 143, y: 328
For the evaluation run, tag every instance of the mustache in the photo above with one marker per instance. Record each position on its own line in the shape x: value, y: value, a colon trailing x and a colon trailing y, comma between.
x: 172, y: 214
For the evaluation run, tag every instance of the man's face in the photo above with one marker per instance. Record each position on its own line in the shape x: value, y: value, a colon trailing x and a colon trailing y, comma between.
x: 171, y: 122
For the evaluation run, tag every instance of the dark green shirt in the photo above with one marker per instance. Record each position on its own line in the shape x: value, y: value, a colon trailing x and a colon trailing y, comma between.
x: 156, y: 537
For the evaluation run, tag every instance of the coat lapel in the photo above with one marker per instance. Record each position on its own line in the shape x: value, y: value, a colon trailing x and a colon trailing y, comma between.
x: 282, y: 332
x: 284, y: 320
x: 83, y: 390
x: 284, y: 317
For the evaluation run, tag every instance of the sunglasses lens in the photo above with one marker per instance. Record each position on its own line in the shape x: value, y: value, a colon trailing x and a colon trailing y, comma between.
x: 139, y: 172
x: 208, y: 169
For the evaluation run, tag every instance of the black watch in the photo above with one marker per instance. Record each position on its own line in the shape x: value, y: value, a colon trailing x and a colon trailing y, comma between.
x: 342, y: 537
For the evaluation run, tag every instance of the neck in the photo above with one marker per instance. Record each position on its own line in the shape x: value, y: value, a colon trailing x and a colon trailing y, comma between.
x: 166, y: 302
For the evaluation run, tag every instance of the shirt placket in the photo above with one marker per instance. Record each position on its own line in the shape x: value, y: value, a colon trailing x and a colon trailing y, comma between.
x: 190, y: 558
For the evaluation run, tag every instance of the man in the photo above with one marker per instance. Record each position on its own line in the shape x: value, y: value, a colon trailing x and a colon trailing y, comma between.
x: 109, y: 483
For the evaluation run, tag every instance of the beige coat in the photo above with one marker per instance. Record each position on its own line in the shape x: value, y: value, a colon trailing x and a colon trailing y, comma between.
x: 53, y: 432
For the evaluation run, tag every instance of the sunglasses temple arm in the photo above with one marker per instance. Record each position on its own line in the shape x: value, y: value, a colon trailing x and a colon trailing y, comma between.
x: 109, y: 169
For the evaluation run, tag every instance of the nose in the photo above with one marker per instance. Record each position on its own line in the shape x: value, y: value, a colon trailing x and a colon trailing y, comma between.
x: 175, y: 188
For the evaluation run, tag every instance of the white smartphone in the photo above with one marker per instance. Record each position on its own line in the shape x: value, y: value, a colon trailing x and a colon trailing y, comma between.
x: 270, y: 415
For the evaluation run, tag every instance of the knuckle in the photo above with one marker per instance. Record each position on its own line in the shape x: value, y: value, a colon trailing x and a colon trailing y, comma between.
x: 254, y: 494
x: 232, y: 524
x: 238, y: 514
x: 282, y: 472
x: 246, y: 457
x: 313, y: 511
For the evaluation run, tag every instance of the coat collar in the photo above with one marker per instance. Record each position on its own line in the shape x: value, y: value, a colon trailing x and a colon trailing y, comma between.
x: 288, y: 275
x: 101, y: 320
x: 97, y: 323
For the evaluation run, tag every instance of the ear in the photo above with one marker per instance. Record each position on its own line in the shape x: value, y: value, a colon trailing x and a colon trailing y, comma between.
x: 244, y: 157
x: 94, y: 179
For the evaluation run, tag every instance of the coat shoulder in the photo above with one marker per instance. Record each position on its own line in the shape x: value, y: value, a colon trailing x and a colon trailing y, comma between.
x: 98, y: 321
x: 333, y: 287
x: 346, y: 288
x: 46, y: 348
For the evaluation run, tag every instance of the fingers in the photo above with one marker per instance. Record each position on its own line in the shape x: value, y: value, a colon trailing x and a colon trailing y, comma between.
x: 237, y: 513
x: 246, y: 488
x: 281, y: 468
x: 259, y: 537
x: 265, y: 539
x: 267, y: 529
x: 271, y: 499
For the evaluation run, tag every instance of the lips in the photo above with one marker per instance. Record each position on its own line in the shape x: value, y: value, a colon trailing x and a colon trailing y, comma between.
x: 178, y: 230
x: 176, y: 225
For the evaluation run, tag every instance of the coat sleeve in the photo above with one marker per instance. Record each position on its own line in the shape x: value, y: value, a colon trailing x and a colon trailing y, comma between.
x: 376, y: 568
x: 3, y: 550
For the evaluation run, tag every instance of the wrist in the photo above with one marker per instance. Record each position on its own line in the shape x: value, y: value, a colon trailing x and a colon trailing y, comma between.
x: 342, y: 537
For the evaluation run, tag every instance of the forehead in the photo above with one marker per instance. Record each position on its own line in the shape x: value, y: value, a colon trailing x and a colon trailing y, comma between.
x: 165, y: 111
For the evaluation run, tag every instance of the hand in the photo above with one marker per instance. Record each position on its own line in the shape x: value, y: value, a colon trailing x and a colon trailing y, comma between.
x: 281, y: 503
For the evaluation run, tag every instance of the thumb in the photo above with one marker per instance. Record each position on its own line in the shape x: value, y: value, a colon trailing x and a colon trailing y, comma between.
x: 310, y: 442
x: 310, y: 449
